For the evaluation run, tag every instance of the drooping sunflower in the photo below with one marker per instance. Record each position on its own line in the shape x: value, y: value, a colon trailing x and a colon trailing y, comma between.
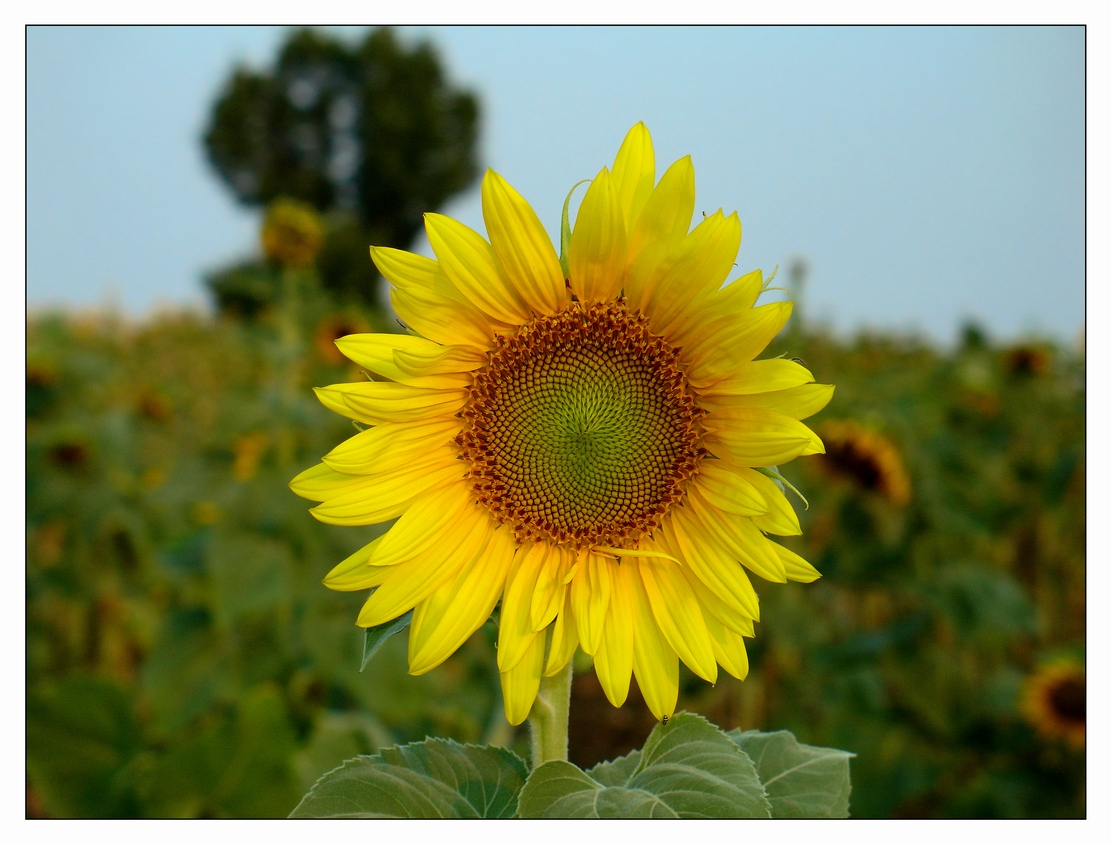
x: 866, y: 458
x: 332, y: 328
x: 1027, y: 360
x: 582, y: 441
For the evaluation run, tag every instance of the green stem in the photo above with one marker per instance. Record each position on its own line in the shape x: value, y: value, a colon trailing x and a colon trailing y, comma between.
x: 289, y: 334
x: 548, y: 718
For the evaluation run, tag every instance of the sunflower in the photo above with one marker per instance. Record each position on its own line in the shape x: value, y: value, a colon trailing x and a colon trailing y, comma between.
x: 581, y: 440
x: 332, y: 328
x: 1054, y: 702
x: 1027, y: 360
x: 248, y: 451
x: 292, y: 233
x: 866, y: 458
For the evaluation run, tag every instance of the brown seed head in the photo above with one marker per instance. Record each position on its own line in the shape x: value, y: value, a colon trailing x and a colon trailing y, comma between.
x: 582, y: 430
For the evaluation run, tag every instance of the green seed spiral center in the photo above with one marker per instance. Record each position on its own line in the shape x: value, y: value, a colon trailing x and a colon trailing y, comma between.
x: 581, y: 429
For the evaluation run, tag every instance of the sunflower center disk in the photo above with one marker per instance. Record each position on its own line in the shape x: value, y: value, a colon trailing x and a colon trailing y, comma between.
x: 581, y: 429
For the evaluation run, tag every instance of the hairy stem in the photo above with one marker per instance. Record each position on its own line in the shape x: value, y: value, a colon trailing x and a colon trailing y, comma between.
x: 548, y: 718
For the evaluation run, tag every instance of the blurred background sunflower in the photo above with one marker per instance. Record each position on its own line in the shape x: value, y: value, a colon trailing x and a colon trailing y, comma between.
x: 1054, y: 701
x: 182, y: 657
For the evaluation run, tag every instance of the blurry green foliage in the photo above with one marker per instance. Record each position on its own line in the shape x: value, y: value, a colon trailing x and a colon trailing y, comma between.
x: 371, y: 134
x: 245, y: 289
x: 184, y: 659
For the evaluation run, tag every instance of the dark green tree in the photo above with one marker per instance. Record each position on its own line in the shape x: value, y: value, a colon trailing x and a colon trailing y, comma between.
x: 371, y: 134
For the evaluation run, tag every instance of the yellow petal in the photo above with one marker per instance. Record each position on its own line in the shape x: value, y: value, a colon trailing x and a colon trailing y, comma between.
x: 635, y: 553
x: 443, y: 320
x: 390, y: 445
x: 547, y: 595
x: 781, y: 517
x: 740, y: 294
x: 755, y: 437
x: 696, y: 269
x: 758, y: 377
x: 425, y: 299
x: 515, y: 632
x: 524, y: 250
x: 386, y: 495
x: 375, y: 351
x: 323, y: 484
x: 798, y: 402
x: 713, y: 606
x: 565, y: 640
x: 408, y: 270
x: 727, y: 489
x: 455, y: 610
x: 613, y: 661
x: 597, y: 253
x: 654, y: 661
x: 730, y: 342
x: 662, y: 224
x: 729, y: 648
x: 413, y: 581
x: 738, y: 537
x: 354, y: 573
x: 590, y: 597
x: 377, y: 402
x: 723, y: 575
x: 412, y: 360
x: 797, y: 569
x: 333, y: 400
x: 319, y: 482
x: 428, y: 519
x: 634, y: 173
x: 470, y: 263
x: 677, y: 613
x: 440, y: 360
x: 521, y: 683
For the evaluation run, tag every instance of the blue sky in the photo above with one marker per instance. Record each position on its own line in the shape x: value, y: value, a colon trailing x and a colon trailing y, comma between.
x: 927, y: 175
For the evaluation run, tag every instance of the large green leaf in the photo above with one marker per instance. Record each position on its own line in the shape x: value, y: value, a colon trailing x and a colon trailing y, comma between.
x: 802, y: 781
x: 561, y: 790
x: 436, y: 778
x: 616, y: 772
x: 687, y: 769
x: 338, y: 735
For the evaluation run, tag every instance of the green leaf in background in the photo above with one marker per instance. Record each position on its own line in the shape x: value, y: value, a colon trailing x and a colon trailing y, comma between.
x: 81, y: 733
x: 187, y: 671
x: 687, y: 769
x: 235, y: 766
x: 435, y: 778
x: 374, y: 637
x: 802, y: 781
x: 250, y: 574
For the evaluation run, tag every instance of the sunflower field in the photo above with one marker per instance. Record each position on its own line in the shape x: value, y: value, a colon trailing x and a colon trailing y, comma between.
x: 184, y: 660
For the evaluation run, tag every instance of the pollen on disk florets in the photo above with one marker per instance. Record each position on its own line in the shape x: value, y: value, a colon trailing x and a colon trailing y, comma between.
x: 582, y: 429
